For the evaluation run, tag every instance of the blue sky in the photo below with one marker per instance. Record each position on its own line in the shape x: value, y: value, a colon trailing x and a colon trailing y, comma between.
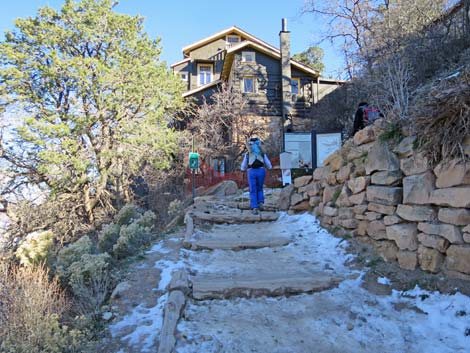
x: 179, y: 23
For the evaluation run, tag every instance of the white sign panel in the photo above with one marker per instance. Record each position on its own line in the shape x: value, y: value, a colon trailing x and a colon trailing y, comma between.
x: 300, y: 147
x: 326, y: 145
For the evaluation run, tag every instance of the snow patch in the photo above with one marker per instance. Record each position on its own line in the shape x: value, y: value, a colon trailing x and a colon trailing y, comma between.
x: 146, y: 324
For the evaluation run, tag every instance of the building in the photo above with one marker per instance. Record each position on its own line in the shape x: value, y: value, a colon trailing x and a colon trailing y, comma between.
x: 280, y: 91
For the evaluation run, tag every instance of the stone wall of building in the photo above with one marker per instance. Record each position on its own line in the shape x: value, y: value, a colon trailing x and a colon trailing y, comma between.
x: 387, y: 194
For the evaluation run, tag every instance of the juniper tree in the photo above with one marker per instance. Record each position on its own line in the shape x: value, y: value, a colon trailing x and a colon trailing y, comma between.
x: 97, y: 101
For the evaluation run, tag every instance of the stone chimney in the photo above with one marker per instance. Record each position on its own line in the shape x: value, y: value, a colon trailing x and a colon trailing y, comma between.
x: 284, y: 37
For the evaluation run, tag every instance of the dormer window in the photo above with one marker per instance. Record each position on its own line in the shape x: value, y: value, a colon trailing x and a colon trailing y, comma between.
x: 232, y: 39
x: 204, y: 74
x: 184, y: 76
x: 295, y: 85
x: 248, y: 56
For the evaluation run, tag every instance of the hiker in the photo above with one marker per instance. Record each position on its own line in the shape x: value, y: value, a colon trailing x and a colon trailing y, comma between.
x: 359, y: 118
x: 256, y: 160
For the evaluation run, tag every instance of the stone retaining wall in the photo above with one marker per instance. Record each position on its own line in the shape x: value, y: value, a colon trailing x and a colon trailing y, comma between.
x: 388, y: 194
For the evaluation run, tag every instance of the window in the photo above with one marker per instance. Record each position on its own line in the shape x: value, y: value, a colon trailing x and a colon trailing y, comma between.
x: 248, y: 56
x: 184, y: 76
x: 232, y: 40
x: 295, y: 85
x: 204, y: 74
x: 248, y: 84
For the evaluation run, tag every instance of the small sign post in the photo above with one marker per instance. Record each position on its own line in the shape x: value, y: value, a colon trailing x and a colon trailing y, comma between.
x: 193, y: 165
x: 285, y: 161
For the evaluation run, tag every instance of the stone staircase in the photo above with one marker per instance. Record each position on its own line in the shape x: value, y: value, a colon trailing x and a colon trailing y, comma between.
x: 236, y: 254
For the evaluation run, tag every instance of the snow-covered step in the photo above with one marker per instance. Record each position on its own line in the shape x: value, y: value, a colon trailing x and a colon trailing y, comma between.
x: 234, y: 215
x: 239, y: 237
x: 268, y: 283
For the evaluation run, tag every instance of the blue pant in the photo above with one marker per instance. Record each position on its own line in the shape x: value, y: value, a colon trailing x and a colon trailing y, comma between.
x: 255, y: 182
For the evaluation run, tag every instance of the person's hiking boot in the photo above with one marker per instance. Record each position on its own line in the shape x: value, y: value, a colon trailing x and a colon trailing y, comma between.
x: 261, y: 206
x: 255, y: 211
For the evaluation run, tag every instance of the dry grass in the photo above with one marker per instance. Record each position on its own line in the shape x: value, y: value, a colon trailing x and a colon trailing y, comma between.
x: 30, y: 308
x: 442, y: 116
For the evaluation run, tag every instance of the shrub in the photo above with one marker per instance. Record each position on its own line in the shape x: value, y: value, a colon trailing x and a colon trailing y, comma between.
x: 131, y: 238
x: 147, y: 220
x: 126, y: 214
x: 72, y: 253
x: 174, y: 208
x: 108, y: 237
x: 30, y: 313
x: 35, y: 249
x: 90, y: 281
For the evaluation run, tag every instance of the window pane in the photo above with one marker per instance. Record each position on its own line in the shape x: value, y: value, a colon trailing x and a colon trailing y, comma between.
x: 295, y: 86
x: 248, y: 85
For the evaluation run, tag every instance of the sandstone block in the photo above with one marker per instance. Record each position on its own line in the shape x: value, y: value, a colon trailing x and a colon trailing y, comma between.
x: 361, y: 229
x: 458, y: 258
x: 345, y: 213
x: 357, y: 152
x: 376, y: 230
x: 381, y: 158
x: 415, y: 164
x: 315, y: 201
x: 283, y: 202
x: 430, y: 260
x: 331, y: 179
x: 416, y: 213
x: 448, y: 231
x: 387, y: 250
x: 452, y: 173
x: 364, y: 136
x: 417, y: 189
x: 329, y: 192
x: 357, y: 199
x: 302, y: 206
x: 457, y: 216
x: 404, y: 235
x: 321, y: 173
x: 348, y: 223
x: 344, y: 173
x: 453, y: 197
x: 361, y: 217
x: 383, y: 209
x: 330, y: 211
x: 302, y: 181
x: 405, y: 147
x: 434, y: 241
x: 466, y: 237
x: 296, y: 198
x: 360, y: 209
x: 334, y: 161
x: 386, y: 177
x: 343, y: 198
x: 359, y: 184
x: 407, y: 260
x: 373, y: 216
x: 385, y: 195
x: 393, y: 219
x: 312, y: 189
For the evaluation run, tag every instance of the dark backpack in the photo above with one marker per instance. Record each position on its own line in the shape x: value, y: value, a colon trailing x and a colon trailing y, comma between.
x: 371, y: 114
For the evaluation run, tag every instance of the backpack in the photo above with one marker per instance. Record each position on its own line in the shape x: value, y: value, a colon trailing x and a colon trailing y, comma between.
x: 255, y: 160
x: 371, y: 114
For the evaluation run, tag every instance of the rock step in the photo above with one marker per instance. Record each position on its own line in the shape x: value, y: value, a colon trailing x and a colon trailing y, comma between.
x: 220, y: 286
x: 234, y: 216
x: 234, y: 241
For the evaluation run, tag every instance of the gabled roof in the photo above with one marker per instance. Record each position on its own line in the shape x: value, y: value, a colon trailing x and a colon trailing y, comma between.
x: 273, y: 52
x: 180, y: 62
x: 201, y: 88
x: 221, y: 34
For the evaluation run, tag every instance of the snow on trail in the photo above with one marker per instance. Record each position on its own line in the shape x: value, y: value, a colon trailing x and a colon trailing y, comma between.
x: 344, y: 319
